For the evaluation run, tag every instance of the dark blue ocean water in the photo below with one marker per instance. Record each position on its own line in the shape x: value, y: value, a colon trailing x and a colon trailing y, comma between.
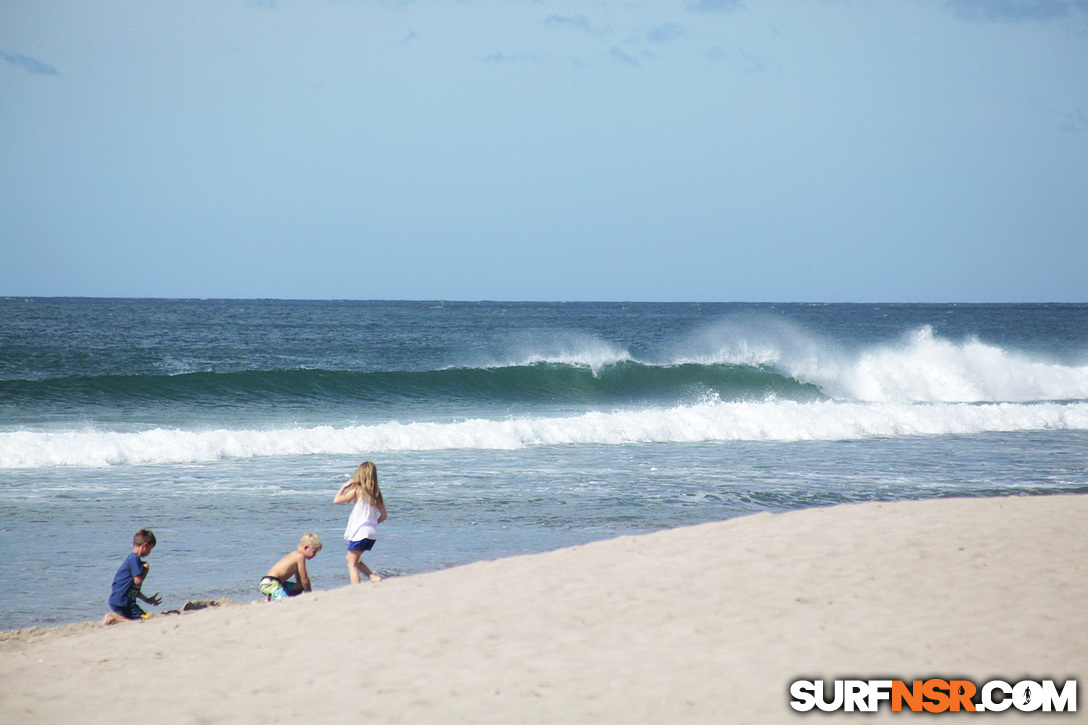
x: 498, y: 428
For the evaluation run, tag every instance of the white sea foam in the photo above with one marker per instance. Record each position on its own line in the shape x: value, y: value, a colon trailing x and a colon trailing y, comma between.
x: 921, y: 368
x: 926, y: 368
x: 562, y: 348
x: 759, y: 341
x: 708, y: 421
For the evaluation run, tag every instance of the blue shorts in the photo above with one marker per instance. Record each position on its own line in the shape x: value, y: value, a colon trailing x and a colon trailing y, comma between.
x: 132, y: 611
x: 361, y: 545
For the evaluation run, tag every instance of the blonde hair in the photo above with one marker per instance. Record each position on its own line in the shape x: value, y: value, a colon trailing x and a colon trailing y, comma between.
x: 364, y: 484
x: 311, y: 540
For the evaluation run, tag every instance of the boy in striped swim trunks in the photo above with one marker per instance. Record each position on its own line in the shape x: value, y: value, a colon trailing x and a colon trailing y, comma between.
x: 277, y: 582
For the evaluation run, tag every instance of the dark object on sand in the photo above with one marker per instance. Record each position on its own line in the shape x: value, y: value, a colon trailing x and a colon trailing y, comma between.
x: 199, y: 604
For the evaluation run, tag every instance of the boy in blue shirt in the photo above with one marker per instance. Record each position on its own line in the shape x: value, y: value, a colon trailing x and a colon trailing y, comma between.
x: 129, y: 578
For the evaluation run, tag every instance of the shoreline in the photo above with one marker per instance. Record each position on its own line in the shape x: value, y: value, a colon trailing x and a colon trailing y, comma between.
x: 707, y: 623
x: 43, y: 632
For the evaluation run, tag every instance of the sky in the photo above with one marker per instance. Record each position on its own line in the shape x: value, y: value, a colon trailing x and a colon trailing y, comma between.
x: 673, y: 150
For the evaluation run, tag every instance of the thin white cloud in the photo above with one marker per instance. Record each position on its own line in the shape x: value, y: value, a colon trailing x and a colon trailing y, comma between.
x: 1015, y: 10
x: 715, y: 6
x: 1076, y: 121
x: 499, y: 58
x: 31, y: 65
x: 574, y: 22
x: 738, y: 58
x: 623, y: 57
x: 665, y: 32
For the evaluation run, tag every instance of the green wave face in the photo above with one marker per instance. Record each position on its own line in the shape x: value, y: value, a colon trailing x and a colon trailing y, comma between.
x: 623, y: 382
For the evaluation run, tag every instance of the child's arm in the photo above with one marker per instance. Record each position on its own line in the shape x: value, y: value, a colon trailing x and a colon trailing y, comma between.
x: 383, y: 516
x: 137, y: 581
x: 303, y: 579
x: 341, y: 496
x: 154, y: 599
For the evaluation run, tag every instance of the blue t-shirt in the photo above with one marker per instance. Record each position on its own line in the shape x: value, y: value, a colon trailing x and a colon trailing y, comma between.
x: 123, y: 595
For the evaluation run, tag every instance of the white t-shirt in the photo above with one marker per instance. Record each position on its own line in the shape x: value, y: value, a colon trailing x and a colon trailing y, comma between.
x: 363, y: 522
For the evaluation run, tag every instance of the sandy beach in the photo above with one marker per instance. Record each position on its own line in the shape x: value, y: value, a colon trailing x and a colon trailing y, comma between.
x: 709, y: 623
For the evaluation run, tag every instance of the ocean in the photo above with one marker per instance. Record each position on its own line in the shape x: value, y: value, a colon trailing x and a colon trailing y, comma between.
x: 498, y: 428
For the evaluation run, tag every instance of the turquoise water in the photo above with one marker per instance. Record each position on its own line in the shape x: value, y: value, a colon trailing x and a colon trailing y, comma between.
x: 498, y: 428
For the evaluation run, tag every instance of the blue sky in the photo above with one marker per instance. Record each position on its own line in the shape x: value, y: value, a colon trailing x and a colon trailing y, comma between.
x: 711, y: 150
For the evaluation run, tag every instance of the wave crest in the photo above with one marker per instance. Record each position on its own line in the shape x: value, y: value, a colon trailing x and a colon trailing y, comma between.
x: 926, y: 368
x: 920, y: 368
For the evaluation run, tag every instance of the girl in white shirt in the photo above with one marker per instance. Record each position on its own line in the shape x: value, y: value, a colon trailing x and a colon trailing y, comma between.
x: 369, y: 511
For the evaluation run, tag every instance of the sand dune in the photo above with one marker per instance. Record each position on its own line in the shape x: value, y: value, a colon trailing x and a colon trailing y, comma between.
x: 709, y: 623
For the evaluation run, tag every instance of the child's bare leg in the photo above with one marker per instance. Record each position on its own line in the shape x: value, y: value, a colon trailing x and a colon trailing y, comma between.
x: 369, y: 574
x: 353, y: 563
x: 112, y: 618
